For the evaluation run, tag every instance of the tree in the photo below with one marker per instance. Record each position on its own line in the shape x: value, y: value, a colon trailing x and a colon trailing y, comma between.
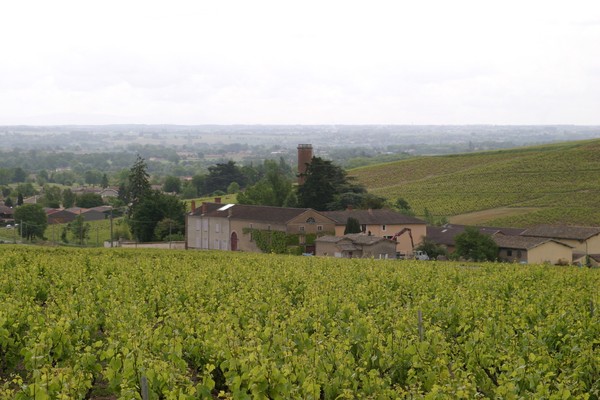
x: 272, y: 190
x: 139, y: 184
x: 33, y: 220
x: 68, y: 198
x: 198, y: 183
x: 18, y: 175
x: 403, y: 207
x: 20, y: 199
x: 151, y: 210
x: 92, y: 177
x: 476, y: 246
x: 325, y: 184
x: 52, y: 196
x: 352, y: 226
x: 104, y: 181
x: 233, y: 188
x: 79, y: 229
x: 432, y: 249
x: 172, y: 184
x: 221, y: 175
x: 89, y: 200
x: 8, y: 202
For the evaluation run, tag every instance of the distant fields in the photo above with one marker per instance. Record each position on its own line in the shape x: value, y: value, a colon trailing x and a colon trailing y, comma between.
x: 97, y: 323
x: 556, y: 183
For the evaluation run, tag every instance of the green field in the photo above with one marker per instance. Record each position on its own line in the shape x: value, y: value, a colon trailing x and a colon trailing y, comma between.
x: 99, y: 323
x: 554, y: 183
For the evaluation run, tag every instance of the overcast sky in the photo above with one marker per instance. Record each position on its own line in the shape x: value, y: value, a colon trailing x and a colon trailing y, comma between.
x: 300, y: 62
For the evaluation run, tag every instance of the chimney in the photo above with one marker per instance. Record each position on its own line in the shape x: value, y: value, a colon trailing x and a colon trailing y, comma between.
x: 193, y: 206
x: 305, y: 155
x: 204, y: 207
x: 218, y: 200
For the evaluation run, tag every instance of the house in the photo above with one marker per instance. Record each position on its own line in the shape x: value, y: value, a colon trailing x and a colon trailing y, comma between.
x: 444, y: 235
x: 56, y: 216
x: 583, y: 239
x: 383, y: 223
x: 64, y: 216
x: 235, y: 226
x: 109, y: 192
x: 532, y: 250
x: 355, y: 246
x: 6, y: 215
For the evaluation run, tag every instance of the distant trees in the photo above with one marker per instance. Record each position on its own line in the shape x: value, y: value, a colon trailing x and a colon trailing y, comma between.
x: 274, y: 189
x: 327, y: 187
x: 68, y: 198
x: 89, y: 200
x: 153, y: 209
x: 221, y: 175
x: 474, y: 245
x: 172, y: 184
x: 149, y: 208
x: 33, y: 220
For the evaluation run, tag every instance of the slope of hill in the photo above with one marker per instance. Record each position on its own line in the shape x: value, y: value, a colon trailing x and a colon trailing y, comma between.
x: 558, y: 183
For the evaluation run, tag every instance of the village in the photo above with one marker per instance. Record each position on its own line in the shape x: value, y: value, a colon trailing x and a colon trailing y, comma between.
x: 382, y: 234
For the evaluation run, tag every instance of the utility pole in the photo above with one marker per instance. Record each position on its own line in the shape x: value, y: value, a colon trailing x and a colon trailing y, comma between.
x: 111, y: 227
x: 170, y: 239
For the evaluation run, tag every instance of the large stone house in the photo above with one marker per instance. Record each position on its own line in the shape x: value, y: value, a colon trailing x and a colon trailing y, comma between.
x: 383, y: 223
x: 233, y: 227
x: 356, y: 246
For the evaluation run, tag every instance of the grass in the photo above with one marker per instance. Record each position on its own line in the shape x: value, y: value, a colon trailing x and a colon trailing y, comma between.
x: 99, y: 232
x: 555, y: 183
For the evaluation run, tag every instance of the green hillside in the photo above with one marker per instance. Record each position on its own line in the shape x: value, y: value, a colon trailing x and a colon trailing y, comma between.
x: 558, y: 183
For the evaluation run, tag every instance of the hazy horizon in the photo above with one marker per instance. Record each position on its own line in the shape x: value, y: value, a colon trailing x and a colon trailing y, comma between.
x: 429, y: 63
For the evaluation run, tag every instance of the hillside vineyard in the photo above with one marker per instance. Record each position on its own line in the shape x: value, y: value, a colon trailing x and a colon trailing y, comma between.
x: 102, y: 324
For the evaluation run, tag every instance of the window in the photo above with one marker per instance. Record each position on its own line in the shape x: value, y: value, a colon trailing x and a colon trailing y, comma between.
x: 198, y: 223
x: 301, y: 228
x: 319, y: 228
x: 383, y: 228
x: 363, y: 227
x: 217, y: 242
x: 205, y: 225
x: 310, y: 220
x: 519, y: 254
x: 217, y: 228
x: 302, y: 239
x: 509, y: 253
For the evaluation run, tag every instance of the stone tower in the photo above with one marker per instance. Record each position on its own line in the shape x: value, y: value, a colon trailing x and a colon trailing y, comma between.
x: 305, y: 155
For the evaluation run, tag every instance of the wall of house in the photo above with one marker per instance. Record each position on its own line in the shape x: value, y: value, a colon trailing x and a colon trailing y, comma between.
x: 245, y: 241
x: 208, y: 233
x: 552, y: 253
x: 591, y: 246
x: 512, y: 255
x: 383, y: 249
x: 403, y: 241
x: 327, y: 249
x: 310, y: 222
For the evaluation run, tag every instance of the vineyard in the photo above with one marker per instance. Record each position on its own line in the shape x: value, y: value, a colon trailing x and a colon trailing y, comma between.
x: 560, y: 181
x: 109, y: 324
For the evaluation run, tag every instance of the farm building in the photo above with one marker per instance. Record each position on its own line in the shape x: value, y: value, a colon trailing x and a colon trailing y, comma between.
x: 235, y: 226
x: 532, y: 250
x: 355, y: 246
x: 383, y: 223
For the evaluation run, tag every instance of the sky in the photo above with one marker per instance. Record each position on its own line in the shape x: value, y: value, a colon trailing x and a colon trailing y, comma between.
x: 300, y: 62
